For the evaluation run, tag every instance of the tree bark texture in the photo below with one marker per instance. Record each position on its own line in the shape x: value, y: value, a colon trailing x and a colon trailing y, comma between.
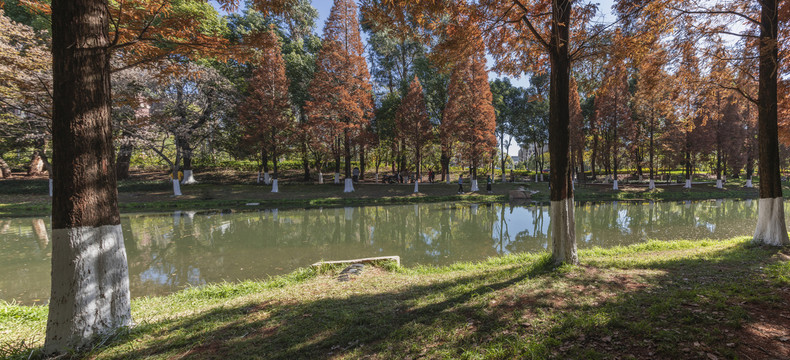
x: 563, y: 235
x: 90, y: 282
x: 5, y: 170
x: 124, y: 161
x: 771, y: 228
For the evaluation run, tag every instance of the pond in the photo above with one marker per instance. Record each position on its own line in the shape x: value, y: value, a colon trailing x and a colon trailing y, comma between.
x: 168, y: 252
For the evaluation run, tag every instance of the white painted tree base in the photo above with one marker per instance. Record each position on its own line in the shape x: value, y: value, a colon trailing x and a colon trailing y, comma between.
x: 771, y: 228
x: 349, y: 186
x: 267, y: 179
x: 377, y: 178
x: 337, y: 178
x: 688, y: 184
x: 504, y: 178
x: 416, y: 186
x: 320, y: 178
x: 652, y: 185
x: 719, y: 184
x: 541, y: 177
x: 536, y: 177
x: 563, y: 232
x: 90, y: 287
x: 275, y: 186
x: 474, y: 186
x: 259, y: 177
x: 51, y: 185
x: 189, y: 178
x: 614, y: 185
x: 176, y: 188
x: 749, y: 183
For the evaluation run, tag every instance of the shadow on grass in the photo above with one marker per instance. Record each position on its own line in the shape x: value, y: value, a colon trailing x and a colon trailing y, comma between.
x: 678, y: 308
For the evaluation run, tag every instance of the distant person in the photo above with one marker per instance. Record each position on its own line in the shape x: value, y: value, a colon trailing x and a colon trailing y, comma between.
x: 488, y: 184
x: 355, y: 174
x: 431, y: 176
x: 460, y: 184
x: 512, y: 177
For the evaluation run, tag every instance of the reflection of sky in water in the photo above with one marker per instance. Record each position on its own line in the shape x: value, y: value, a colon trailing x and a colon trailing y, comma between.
x: 168, y: 252
x: 157, y: 275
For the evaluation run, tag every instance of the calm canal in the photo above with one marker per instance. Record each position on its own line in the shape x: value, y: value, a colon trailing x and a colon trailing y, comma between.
x: 168, y: 252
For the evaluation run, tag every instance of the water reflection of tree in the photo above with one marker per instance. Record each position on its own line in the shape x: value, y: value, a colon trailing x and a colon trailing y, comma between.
x: 167, y: 252
x: 25, y: 252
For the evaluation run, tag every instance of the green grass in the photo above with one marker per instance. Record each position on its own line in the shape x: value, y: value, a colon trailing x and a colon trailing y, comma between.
x: 678, y: 299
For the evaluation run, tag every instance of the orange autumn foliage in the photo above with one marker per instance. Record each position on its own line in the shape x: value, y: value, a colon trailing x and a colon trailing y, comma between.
x: 470, y: 114
x: 149, y: 32
x: 342, y: 102
x: 411, y: 120
x: 265, y: 113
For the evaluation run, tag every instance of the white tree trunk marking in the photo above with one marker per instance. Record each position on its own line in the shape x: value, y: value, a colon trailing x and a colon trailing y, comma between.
x: 349, y: 186
x: 771, y: 228
x: 563, y: 232
x: 90, y: 286
x: 189, y: 178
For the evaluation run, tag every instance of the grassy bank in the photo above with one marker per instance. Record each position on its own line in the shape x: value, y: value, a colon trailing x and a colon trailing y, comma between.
x: 28, y: 197
x: 681, y: 299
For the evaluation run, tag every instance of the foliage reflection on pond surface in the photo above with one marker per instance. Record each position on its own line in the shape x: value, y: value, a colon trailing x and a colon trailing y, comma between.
x: 168, y: 252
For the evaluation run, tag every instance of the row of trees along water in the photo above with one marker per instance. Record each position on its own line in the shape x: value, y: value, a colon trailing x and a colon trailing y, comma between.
x: 293, y: 95
x: 665, y: 82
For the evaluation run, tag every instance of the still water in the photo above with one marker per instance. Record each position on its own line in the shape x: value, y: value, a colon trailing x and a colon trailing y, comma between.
x: 168, y: 252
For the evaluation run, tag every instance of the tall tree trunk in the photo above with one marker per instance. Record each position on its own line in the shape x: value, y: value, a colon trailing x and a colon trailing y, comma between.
x: 445, y: 162
x: 581, y: 175
x: 347, y: 154
x: 90, y: 278
x: 563, y: 235
x: 615, y: 160
x: 418, y: 161
x: 124, y: 160
x: 771, y: 228
x: 5, y: 170
x: 652, y: 149
x: 265, y: 160
x: 186, y: 149
x: 305, y: 160
x: 362, y: 162
x: 274, y: 162
x: 594, y: 154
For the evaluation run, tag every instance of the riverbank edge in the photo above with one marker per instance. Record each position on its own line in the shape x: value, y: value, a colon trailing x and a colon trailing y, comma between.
x: 679, y: 287
x: 583, y: 194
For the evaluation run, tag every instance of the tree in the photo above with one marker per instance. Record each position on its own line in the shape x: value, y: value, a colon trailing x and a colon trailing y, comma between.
x: 265, y: 113
x: 412, y: 122
x: 651, y: 102
x: 577, y: 131
x: 614, y: 114
x: 25, y: 93
x: 759, y: 24
x: 90, y: 282
x: 342, y: 96
x: 473, y: 113
x: 521, y: 36
x: 506, y: 98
